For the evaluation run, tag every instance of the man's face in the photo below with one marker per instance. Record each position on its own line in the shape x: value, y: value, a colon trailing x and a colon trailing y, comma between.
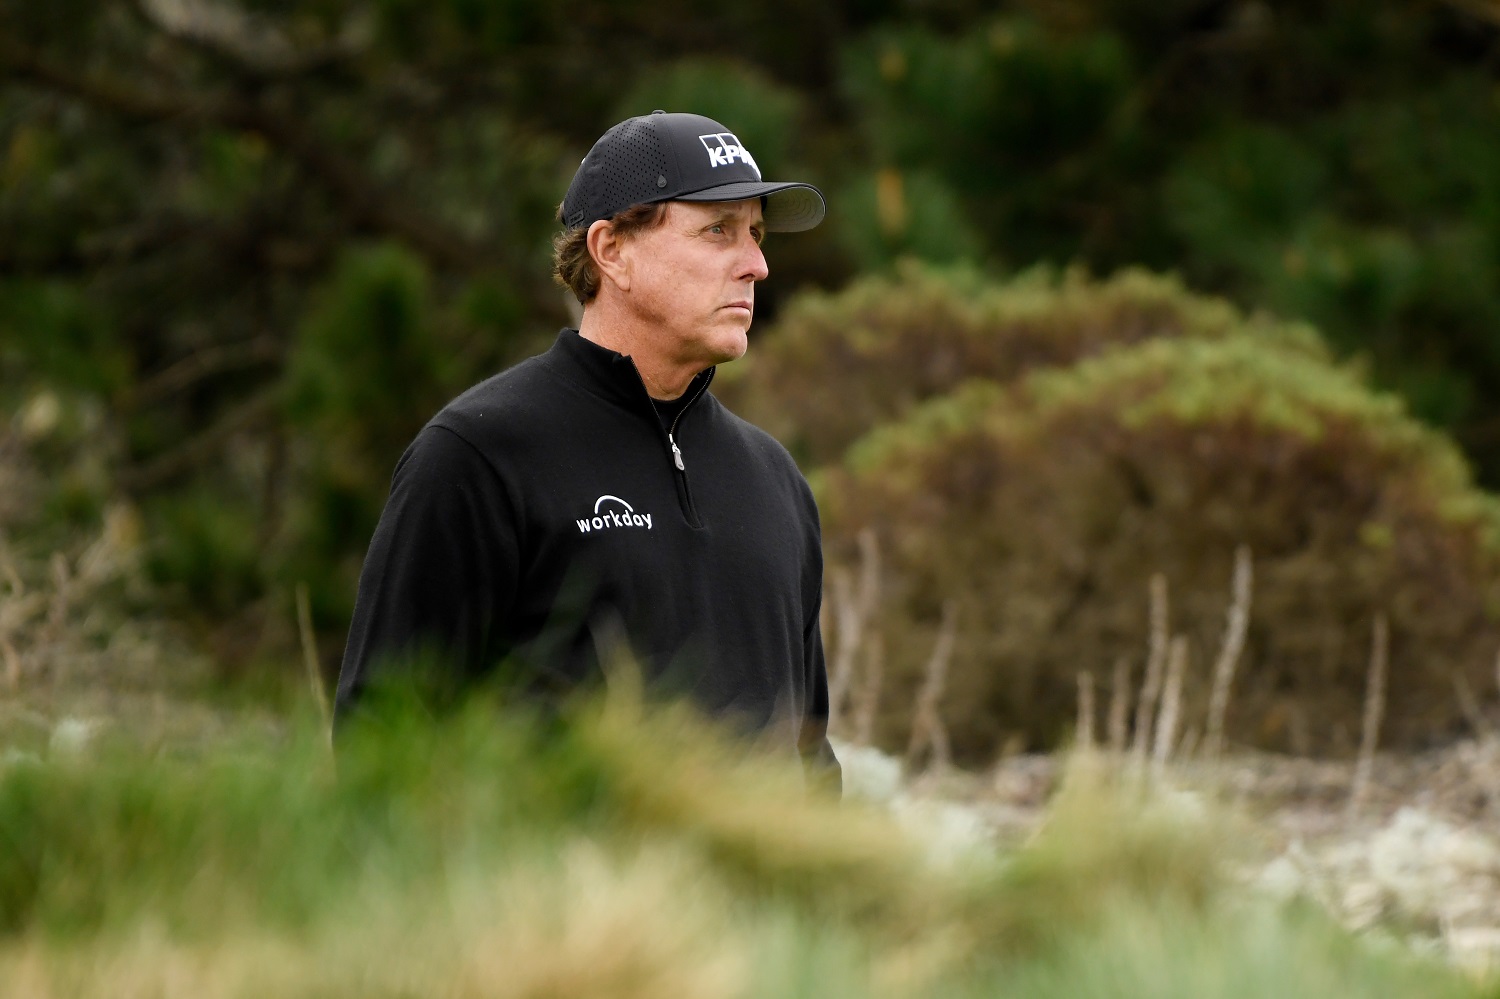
x: 693, y: 278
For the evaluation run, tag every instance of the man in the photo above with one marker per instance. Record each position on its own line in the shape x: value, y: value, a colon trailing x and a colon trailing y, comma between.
x: 597, y: 495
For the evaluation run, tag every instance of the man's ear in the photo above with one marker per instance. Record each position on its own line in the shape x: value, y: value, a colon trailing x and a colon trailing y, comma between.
x: 610, y: 254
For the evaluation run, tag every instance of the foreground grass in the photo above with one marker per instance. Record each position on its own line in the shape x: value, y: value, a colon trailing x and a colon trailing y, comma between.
x: 608, y: 855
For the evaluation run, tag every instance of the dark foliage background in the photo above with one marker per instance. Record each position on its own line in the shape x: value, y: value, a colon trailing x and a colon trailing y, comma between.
x: 246, y: 248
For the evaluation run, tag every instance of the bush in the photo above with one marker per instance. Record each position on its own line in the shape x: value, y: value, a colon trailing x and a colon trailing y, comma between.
x: 205, y: 551
x: 886, y: 215
x: 1042, y: 510
x: 837, y: 365
x: 367, y: 371
x: 763, y: 113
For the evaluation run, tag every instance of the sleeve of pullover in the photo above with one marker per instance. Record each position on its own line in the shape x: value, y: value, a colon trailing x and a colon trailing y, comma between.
x: 818, y: 760
x: 440, y: 574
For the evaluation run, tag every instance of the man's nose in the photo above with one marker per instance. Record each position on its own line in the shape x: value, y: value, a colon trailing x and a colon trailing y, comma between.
x: 753, y: 267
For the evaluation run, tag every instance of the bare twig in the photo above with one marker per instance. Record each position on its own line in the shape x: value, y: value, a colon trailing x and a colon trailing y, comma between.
x: 12, y: 664
x: 17, y: 612
x: 1171, y: 706
x: 927, y: 729
x: 869, y: 569
x: 847, y: 635
x: 1156, y: 661
x: 310, y: 656
x: 1374, y: 711
x: 1119, y: 706
x: 853, y: 610
x: 1188, y: 744
x: 1235, y: 629
x: 58, y: 604
x: 204, y: 447
x: 18, y: 587
x: 206, y: 363
x: 1469, y: 705
x: 10, y: 617
x: 1085, y: 738
x: 868, y: 701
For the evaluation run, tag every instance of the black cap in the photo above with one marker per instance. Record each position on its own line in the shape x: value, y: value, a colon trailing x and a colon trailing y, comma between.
x: 680, y: 157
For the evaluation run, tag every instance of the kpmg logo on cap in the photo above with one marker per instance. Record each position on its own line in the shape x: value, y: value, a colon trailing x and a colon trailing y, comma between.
x: 724, y: 148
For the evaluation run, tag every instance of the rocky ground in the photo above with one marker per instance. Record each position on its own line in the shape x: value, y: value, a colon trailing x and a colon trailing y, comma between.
x: 1418, y: 858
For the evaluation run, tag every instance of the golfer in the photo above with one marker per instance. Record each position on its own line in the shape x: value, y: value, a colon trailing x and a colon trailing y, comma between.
x: 597, y: 498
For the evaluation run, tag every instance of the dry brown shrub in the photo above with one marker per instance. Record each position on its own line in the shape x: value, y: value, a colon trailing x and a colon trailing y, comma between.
x: 836, y: 365
x: 1043, y: 510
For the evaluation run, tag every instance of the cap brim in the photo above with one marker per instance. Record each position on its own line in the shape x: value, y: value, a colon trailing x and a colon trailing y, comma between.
x: 789, y: 207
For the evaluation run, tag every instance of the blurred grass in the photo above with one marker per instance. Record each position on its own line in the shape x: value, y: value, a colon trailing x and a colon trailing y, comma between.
x: 608, y: 853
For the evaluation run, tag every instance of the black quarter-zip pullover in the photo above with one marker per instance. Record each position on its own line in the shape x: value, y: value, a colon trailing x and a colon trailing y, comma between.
x: 548, y: 513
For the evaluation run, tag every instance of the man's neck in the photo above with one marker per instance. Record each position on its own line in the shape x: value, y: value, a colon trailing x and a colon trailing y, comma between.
x: 664, y: 379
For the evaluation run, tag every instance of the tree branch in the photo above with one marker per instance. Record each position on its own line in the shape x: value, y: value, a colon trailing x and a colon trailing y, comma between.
x: 206, y: 363
x: 367, y: 201
x: 252, y: 41
x: 1485, y: 10
x: 205, y: 446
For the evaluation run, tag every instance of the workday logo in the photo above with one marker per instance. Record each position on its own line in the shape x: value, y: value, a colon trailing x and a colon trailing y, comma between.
x: 610, y: 512
x: 724, y: 148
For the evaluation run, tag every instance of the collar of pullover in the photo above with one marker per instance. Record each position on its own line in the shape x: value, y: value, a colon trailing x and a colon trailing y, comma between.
x: 611, y: 374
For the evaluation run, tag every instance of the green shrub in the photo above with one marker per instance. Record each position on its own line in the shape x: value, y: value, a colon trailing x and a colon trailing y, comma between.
x: 888, y: 215
x: 1044, y: 508
x: 367, y: 371
x: 51, y: 333
x: 994, y: 108
x: 205, y: 550
x: 1376, y: 221
x: 837, y: 365
x: 764, y: 114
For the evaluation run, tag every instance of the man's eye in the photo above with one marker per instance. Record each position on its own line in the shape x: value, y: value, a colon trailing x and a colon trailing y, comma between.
x: 716, y: 229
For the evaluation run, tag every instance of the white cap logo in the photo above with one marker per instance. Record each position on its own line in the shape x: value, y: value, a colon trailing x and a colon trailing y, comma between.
x: 724, y: 148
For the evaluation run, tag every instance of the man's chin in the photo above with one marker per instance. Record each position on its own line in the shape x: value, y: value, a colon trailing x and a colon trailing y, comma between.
x: 730, y: 345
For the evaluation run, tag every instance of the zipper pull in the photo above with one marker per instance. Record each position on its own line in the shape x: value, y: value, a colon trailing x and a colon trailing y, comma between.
x: 676, y: 454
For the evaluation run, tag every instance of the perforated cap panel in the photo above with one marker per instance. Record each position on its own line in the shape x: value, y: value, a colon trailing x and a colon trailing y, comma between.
x: 626, y: 167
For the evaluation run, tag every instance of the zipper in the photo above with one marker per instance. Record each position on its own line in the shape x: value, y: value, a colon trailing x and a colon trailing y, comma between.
x: 672, y: 433
x: 684, y: 490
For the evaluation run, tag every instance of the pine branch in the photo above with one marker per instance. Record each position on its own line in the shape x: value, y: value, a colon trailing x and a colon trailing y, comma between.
x: 361, y: 196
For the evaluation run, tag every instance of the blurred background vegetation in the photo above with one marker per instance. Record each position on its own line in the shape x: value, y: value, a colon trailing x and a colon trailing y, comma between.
x: 247, y: 248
